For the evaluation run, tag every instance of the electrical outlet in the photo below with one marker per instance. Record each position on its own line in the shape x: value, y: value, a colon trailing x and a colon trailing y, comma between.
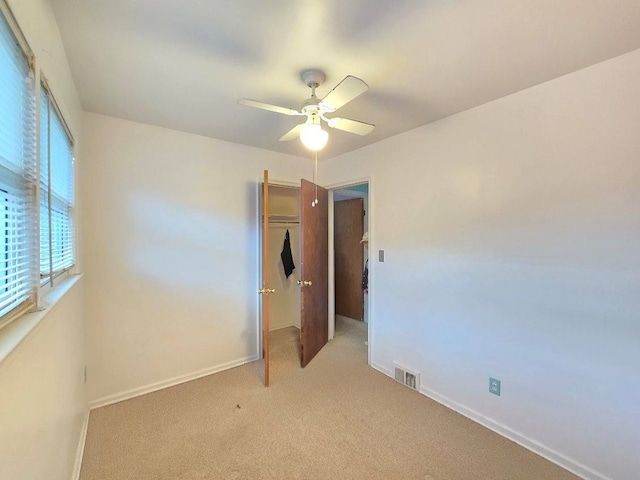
x: 494, y: 386
x: 381, y: 255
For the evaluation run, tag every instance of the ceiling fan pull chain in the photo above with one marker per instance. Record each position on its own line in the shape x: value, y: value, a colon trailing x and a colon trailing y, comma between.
x: 315, y: 175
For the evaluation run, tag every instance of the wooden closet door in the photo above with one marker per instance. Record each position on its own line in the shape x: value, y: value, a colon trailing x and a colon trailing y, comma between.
x: 314, y: 315
x: 349, y: 257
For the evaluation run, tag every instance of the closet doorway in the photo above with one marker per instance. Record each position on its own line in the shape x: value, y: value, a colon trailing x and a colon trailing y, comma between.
x: 283, y: 256
x: 294, y: 273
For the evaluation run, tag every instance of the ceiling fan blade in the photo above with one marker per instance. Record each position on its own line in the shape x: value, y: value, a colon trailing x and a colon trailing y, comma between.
x: 292, y: 134
x: 348, y: 89
x: 351, y: 126
x: 266, y: 106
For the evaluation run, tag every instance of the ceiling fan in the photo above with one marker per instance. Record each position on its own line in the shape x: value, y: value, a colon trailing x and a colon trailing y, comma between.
x: 311, y: 133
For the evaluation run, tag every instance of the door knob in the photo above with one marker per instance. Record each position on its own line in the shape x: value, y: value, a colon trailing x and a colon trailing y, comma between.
x: 266, y: 291
x: 304, y: 283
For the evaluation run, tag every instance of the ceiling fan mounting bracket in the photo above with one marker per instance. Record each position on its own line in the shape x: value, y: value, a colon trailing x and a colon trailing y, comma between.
x: 313, y: 78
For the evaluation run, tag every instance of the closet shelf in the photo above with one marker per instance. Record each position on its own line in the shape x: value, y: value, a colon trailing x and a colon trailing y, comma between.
x: 293, y: 219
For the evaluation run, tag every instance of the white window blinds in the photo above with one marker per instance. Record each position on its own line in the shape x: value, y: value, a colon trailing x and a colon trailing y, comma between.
x: 17, y: 177
x: 57, y: 249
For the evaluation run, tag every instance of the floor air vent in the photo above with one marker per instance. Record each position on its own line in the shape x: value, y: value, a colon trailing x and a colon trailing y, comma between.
x: 407, y: 377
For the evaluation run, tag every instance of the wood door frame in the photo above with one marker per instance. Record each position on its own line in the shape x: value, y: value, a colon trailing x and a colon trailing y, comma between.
x: 372, y: 264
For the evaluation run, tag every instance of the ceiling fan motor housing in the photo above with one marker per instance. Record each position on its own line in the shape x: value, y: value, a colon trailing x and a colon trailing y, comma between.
x: 313, y: 78
x: 310, y: 105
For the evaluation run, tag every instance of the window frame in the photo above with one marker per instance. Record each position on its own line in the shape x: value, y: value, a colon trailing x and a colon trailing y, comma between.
x: 28, y: 182
x: 47, y: 279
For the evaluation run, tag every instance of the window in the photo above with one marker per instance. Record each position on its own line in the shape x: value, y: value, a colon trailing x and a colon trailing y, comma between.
x: 21, y: 218
x: 17, y: 176
x: 57, y: 252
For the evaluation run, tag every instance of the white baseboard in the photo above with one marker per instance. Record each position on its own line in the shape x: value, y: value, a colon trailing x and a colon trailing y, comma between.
x: 136, y: 392
x: 280, y: 327
x: 80, y: 451
x: 555, y: 457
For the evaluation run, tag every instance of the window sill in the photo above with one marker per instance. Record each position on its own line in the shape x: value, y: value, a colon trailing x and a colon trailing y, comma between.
x: 15, y: 332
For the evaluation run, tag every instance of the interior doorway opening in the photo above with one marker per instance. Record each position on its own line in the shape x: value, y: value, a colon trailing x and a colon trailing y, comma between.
x: 350, y: 267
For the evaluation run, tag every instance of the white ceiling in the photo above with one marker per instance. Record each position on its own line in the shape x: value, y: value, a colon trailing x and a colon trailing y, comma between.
x: 184, y: 65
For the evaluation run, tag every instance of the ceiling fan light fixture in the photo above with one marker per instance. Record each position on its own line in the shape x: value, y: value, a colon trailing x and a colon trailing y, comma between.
x: 314, y: 137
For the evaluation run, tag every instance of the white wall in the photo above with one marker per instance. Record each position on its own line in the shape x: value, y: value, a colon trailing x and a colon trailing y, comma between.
x: 43, y: 396
x: 511, y: 237
x: 171, y: 234
x: 41, y: 380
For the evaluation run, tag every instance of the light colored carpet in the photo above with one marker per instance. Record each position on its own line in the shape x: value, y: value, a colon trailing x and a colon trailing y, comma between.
x: 335, y: 419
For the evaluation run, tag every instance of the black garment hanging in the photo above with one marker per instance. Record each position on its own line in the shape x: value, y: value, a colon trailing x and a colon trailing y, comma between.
x: 286, y: 256
x: 365, y: 276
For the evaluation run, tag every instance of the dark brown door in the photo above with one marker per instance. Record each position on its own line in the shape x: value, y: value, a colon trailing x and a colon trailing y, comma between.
x: 314, y: 249
x: 264, y: 290
x: 349, y: 257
